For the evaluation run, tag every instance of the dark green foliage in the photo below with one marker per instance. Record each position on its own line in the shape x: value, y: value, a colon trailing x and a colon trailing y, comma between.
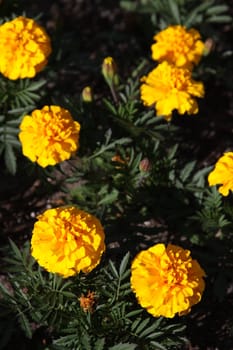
x: 211, y: 215
x: 33, y: 299
x: 17, y: 99
x: 187, y: 13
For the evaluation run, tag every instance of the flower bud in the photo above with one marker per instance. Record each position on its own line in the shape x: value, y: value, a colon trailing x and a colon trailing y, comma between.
x: 87, y: 302
x: 145, y: 165
x: 209, y: 46
x: 109, y: 71
x: 87, y: 95
x: 118, y: 159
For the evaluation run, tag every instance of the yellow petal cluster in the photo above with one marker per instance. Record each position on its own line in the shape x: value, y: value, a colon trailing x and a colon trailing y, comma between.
x: 67, y: 240
x: 178, y: 46
x: 223, y: 174
x: 49, y: 136
x: 24, y: 48
x: 171, y: 88
x: 167, y: 281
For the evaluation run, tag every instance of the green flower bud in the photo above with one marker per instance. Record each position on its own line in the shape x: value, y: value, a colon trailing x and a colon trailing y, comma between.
x: 145, y: 165
x: 87, y: 95
x: 109, y: 71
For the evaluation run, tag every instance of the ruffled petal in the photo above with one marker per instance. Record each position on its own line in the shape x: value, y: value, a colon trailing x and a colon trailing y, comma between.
x: 166, y: 280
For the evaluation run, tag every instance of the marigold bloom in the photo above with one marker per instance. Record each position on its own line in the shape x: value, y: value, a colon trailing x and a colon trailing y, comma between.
x: 24, y: 48
x: 67, y: 240
x: 167, y: 281
x: 223, y: 174
x: 49, y: 135
x: 170, y: 88
x: 178, y: 46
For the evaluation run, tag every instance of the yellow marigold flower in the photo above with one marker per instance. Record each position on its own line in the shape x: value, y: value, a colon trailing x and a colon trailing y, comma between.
x: 167, y: 281
x: 49, y: 135
x: 67, y: 240
x: 170, y: 88
x: 178, y: 46
x: 223, y: 174
x: 24, y: 48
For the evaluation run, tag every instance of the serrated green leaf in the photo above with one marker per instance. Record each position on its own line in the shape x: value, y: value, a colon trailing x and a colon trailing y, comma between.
x: 10, y: 158
x: 128, y: 5
x: 124, y: 263
x: 110, y: 106
x: 200, y: 174
x: 193, y: 16
x: 16, y: 250
x: 175, y: 328
x: 14, y: 123
x: 19, y: 111
x: 5, y: 291
x: 205, y: 5
x: 158, y: 346
x: 36, y: 85
x: 174, y: 10
x: 25, y: 325
x: 172, y: 152
x: 32, y: 96
x: 12, y: 141
x: 155, y: 335
x: 65, y: 285
x: 148, y: 331
x: 9, y: 130
x: 126, y: 274
x: 135, y: 324
x: 187, y: 170
x: 214, y: 10
x: 133, y: 313
x: 219, y: 19
x: 85, y: 339
x: 125, y: 291
x: 109, y: 198
x: 141, y: 326
x: 69, y: 294
x: 113, y: 269
x: 99, y: 345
